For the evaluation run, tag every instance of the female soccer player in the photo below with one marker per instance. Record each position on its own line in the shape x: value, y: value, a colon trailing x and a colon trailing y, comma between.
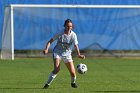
x: 63, y: 50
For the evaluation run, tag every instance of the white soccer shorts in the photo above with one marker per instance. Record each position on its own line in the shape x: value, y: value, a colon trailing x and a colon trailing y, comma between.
x: 65, y: 58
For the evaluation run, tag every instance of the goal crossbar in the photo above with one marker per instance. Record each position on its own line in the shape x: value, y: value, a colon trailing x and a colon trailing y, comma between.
x: 76, y: 6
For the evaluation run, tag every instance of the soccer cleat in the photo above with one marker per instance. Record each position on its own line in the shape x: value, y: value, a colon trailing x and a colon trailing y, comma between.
x: 46, y: 86
x: 74, y: 85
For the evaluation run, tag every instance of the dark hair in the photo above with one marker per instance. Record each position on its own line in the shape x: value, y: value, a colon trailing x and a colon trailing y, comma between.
x: 68, y: 21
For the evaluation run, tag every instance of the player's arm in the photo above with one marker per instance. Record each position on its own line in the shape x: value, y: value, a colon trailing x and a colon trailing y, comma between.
x: 47, y: 46
x: 78, y: 52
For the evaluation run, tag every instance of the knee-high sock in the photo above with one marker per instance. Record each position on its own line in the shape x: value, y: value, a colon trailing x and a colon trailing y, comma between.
x: 51, y: 78
x: 73, y: 79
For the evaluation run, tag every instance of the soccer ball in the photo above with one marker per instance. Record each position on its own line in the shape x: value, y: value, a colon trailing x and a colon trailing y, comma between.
x: 81, y: 68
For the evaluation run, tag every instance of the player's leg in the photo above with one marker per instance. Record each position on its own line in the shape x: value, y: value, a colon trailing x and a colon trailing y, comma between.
x: 54, y: 72
x: 70, y: 65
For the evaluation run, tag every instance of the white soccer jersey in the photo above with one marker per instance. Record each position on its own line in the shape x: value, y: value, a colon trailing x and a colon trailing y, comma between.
x: 64, y: 43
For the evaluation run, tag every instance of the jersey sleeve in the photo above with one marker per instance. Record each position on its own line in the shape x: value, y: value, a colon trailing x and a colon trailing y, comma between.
x: 75, y: 39
x: 55, y: 36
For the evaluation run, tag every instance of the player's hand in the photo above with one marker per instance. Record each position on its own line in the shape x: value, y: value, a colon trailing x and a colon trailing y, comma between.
x: 82, y: 56
x: 45, y: 51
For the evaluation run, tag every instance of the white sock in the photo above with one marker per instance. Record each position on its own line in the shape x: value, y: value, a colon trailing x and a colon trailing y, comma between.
x: 73, y: 79
x: 51, y: 78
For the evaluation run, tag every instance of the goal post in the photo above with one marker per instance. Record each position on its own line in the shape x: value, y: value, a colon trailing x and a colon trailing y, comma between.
x: 8, y: 43
x: 7, y: 50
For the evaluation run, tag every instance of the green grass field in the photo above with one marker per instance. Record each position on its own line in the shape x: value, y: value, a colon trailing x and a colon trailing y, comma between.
x: 105, y: 75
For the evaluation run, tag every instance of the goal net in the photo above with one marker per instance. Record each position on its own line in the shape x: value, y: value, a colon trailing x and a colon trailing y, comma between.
x: 109, y: 30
